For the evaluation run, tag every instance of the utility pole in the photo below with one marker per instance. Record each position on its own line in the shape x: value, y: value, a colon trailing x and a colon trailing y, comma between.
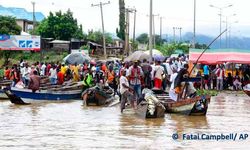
x: 134, y: 26
x: 103, y: 32
x: 161, y: 29
x: 220, y: 10
x: 127, y: 47
x: 194, y: 36
x: 226, y: 33
x: 34, y: 17
x: 174, y: 33
x: 150, y: 28
x: 180, y: 35
x: 153, y: 24
x: 154, y: 30
x: 127, y: 33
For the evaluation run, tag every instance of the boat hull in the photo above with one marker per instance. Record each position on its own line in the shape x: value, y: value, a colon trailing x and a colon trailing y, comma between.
x: 191, y: 106
x: 185, y: 109
x: 97, y: 97
x: 3, y: 96
x: 27, y: 94
x: 247, y: 92
x: 142, y: 111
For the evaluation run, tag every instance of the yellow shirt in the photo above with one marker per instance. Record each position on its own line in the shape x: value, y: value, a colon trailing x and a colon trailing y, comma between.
x: 63, y: 69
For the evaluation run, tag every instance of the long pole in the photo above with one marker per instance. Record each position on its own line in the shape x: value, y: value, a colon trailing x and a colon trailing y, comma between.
x: 206, y: 50
x: 150, y: 28
x: 220, y: 24
x: 153, y: 31
x: 220, y: 8
x: 229, y: 40
x: 134, y: 26
x: 34, y: 18
x: 127, y: 33
x: 174, y: 34
x: 180, y: 35
x: 161, y: 30
x: 226, y: 33
x: 103, y: 31
x: 194, y: 36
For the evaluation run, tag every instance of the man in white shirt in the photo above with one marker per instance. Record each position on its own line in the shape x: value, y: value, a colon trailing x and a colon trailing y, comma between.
x: 158, y: 73
x: 124, y: 90
x: 53, y: 75
x: 43, y: 68
x: 25, y: 72
x: 172, y: 93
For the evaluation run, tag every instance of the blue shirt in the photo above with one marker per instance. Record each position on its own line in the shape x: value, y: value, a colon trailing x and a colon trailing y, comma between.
x: 206, y: 70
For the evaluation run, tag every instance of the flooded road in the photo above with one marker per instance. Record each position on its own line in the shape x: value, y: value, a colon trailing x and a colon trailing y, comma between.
x: 69, y: 125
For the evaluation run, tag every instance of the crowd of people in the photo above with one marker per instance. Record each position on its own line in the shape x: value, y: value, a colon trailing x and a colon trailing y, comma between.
x: 129, y: 78
x: 224, y: 76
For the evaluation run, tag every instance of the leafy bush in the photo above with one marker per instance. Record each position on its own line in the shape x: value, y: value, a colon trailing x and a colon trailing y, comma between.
x: 207, y: 92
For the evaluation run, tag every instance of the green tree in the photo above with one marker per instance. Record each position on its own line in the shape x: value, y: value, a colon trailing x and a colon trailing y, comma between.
x: 97, y: 37
x: 142, y: 38
x: 8, y: 26
x: 168, y: 49
x: 61, y: 26
x: 158, y: 40
x: 200, y: 46
x: 121, y: 31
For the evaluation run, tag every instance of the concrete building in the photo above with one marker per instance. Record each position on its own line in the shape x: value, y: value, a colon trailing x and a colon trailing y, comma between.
x: 25, y: 24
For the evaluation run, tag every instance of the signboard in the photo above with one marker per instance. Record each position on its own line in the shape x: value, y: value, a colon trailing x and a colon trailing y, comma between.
x: 85, y: 52
x: 20, y: 42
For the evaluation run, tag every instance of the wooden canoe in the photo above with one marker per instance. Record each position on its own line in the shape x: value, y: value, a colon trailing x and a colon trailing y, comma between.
x: 97, y: 97
x: 190, y: 106
x: 28, y: 95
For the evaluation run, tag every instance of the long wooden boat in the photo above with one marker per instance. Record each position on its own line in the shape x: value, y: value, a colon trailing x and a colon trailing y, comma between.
x: 27, y: 95
x: 23, y: 95
x: 190, y: 106
x: 97, y: 96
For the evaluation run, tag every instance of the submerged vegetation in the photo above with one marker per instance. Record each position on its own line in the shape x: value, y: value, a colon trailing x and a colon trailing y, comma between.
x: 207, y: 92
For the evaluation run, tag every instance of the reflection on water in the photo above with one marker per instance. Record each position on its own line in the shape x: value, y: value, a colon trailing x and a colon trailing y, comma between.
x: 69, y: 125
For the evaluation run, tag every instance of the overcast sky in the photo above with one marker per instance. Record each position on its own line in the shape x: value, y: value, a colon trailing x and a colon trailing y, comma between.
x: 176, y: 13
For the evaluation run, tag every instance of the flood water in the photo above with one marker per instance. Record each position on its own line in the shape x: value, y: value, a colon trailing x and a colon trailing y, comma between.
x: 69, y: 125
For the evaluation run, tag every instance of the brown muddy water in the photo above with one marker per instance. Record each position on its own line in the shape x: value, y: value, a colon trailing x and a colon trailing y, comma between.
x: 69, y: 125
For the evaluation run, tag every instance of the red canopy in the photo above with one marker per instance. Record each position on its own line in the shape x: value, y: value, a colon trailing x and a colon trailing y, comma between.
x: 217, y: 56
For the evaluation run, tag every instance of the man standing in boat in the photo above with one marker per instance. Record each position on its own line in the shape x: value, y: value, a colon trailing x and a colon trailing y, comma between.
x: 173, y: 95
x: 178, y: 83
x: 135, y: 76
x: 34, y: 83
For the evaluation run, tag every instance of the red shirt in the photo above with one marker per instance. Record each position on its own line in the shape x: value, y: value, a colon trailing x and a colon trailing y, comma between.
x: 60, y: 77
x: 48, y: 68
x: 7, y: 74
